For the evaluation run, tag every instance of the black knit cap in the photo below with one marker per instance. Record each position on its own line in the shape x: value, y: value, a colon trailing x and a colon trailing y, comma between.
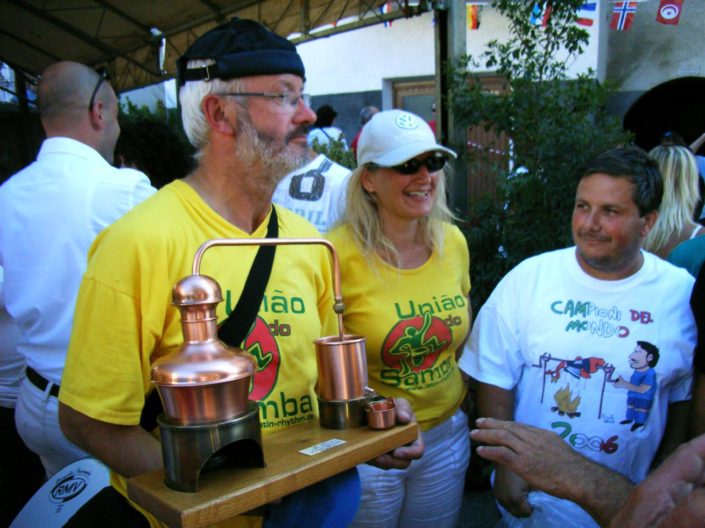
x: 240, y: 48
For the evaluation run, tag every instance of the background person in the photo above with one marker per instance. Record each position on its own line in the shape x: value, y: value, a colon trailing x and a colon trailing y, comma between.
x: 50, y: 213
x: 323, y: 132
x: 21, y: 471
x: 697, y: 305
x: 155, y: 148
x: 365, y: 115
x: 315, y: 191
x: 675, y: 223
x: 405, y: 276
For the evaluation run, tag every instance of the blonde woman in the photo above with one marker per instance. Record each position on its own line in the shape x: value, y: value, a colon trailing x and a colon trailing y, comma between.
x: 675, y: 223
x: 405, y: 277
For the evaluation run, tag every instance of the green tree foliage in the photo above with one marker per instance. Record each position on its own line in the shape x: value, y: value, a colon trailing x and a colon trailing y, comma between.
x: 554, y: 125
x: 336, y: 150
x: 154, y: 142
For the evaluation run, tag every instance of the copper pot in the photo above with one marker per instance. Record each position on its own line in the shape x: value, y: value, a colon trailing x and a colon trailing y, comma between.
x: 342, y: 367
x: 203, y: 380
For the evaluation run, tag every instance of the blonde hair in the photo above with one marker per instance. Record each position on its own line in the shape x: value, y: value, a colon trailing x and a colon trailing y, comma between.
x: 679, y: 171
x: 362, y: 215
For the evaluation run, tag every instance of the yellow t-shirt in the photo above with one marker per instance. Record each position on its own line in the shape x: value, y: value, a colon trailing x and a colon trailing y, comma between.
x: 124, y: 319
x: 413, y: 320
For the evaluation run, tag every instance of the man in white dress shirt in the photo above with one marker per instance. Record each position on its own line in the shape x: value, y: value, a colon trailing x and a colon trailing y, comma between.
x: 50, y: 212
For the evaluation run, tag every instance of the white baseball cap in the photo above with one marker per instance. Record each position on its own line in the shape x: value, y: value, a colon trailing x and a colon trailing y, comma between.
x: 395, y: 136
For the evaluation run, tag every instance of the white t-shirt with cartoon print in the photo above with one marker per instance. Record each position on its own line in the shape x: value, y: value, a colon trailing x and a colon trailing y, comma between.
x: 569, y: 345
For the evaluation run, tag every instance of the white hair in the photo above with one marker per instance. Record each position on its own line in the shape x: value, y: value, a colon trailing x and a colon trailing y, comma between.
x: 191, y: 96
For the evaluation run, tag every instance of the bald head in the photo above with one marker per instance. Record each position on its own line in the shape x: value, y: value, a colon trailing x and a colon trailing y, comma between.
x: 65, y: 90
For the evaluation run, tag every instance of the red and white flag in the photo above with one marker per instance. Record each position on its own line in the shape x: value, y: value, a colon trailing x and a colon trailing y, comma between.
x: 586, y: 14
x: 622, y: 15
x: 669, y: 11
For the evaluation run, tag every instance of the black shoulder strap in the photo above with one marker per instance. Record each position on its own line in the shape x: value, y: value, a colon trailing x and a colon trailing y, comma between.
x: 240, y: 320
x: 236, y: 326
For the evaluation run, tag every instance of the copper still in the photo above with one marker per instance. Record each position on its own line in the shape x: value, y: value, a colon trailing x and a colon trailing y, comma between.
x: 208, y: 420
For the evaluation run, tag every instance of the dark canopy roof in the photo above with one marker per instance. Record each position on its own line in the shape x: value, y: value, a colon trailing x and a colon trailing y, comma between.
x: 125, y: 36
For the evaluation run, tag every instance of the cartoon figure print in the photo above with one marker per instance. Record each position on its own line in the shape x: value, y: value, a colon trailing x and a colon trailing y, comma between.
x: 589, y: 370
x: 413, y: 347
x: 642, y: 384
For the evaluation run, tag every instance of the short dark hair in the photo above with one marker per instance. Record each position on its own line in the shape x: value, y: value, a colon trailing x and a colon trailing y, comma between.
x: 325, y: 116
x: 651, y: 350
x: 635, y: 165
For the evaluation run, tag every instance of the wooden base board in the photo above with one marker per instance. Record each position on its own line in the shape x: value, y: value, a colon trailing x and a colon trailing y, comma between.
x: 228, y: 492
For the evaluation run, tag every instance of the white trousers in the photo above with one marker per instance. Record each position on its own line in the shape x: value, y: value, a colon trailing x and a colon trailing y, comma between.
x: 429, y: 492
x: 37, y: 421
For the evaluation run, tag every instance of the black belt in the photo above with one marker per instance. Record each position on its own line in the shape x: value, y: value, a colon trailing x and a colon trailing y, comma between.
x: 38, y: 381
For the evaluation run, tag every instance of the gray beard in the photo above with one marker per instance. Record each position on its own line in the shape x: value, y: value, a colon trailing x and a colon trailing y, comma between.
x: 273, y: 159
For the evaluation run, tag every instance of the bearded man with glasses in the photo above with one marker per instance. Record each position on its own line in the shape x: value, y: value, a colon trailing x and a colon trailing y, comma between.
x: 50, y: 213
x: 244, y: 110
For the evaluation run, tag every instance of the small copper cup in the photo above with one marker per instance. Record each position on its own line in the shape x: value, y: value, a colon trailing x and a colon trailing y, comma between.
x: 381, y: 414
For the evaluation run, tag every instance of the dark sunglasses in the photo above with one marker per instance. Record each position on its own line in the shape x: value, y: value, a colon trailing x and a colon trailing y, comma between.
x: 432, y: 163
x: 103, y: 77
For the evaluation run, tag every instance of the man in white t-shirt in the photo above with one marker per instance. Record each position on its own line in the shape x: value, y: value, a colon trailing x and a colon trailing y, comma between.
x: 551, y: 346
x: 323, y: 131
x: 316, y: 191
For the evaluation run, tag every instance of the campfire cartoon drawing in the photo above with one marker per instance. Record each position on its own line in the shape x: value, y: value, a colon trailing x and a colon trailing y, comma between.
x: 565, y: 406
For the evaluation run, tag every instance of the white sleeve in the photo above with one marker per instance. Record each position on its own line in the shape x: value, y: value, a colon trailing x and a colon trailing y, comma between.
x: 112, y: 201
x: 493, y: 353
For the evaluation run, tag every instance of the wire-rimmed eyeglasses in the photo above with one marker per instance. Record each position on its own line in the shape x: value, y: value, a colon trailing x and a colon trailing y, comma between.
x: 103, y: 77
x: 286, y: 99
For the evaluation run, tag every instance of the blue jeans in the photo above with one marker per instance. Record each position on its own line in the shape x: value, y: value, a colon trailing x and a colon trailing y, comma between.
x: 331, y: 503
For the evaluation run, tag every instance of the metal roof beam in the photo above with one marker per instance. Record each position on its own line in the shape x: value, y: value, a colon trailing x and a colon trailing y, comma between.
x: 30, y: 45
x: 119, y: 12
x: 244, y: 4
x: 64, y: 26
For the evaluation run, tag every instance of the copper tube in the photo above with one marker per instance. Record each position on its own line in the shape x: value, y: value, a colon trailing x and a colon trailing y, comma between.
x: 338, y: 305
x: 342, y: 367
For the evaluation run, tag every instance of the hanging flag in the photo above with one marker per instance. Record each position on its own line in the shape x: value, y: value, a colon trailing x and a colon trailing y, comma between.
x: 473, y: 16
x: 622, y: 15
x: 540, y: 15
x: 384, y: 9
x: 586, y: 14
x: 669, y: 12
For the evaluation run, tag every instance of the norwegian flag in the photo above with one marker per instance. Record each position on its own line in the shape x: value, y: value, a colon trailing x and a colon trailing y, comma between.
x: 586, y: 14
x: 669, y: 12
x: 622, y: 15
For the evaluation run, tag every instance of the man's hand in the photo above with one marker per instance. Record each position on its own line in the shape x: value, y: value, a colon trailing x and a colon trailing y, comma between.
x: 401, y: 457
x: 540, y: 457
x: 548, y: 464
x: 673, y: 495
x: 512, y: 492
